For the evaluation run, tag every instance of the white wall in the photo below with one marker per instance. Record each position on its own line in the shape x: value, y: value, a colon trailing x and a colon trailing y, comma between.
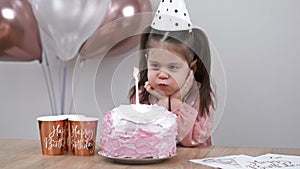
x: 258, y: 44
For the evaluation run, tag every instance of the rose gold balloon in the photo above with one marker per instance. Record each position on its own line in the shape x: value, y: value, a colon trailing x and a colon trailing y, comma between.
x: 117, y: 22
x: 19, y: 34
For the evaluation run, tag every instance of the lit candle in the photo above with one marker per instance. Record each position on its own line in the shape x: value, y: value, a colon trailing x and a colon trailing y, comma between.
x: 135, y: 75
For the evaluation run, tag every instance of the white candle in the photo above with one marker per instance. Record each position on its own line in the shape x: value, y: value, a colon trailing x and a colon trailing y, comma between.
x: 135, y: 75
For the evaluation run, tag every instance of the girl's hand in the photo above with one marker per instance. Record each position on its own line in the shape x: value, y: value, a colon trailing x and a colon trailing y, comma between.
x: 155, y: 92
x: 182, y: 92
x: 163, y: 100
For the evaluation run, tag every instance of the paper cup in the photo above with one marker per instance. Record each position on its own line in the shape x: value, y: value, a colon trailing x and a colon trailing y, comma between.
x: 52, y: 134
x: 67, y: 143
x: 83, y: 135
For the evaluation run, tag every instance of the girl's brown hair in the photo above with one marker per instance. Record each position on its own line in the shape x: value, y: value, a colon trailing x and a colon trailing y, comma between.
x: 197, y: 43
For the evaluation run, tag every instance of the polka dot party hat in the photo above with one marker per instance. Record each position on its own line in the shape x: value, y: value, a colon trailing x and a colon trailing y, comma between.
x: 172, y: 15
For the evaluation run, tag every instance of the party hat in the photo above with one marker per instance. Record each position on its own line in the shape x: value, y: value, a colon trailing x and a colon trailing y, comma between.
x: 172, y: 15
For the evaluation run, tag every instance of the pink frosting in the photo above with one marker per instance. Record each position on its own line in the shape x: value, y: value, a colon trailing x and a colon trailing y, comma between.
x: 125, y: 138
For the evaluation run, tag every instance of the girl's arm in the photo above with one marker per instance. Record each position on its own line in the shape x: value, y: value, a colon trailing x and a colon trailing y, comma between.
x: 192, y: 129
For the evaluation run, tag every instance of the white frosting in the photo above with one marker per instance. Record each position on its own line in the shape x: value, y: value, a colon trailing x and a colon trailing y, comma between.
x: 140, y: 113
x: 139, y: 131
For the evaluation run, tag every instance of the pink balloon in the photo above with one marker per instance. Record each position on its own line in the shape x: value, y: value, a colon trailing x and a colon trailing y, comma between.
x: 19, y: 33
x: 116, y: 26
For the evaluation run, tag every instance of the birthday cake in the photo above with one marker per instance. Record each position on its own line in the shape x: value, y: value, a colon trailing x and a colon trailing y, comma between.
x: 138, y: 131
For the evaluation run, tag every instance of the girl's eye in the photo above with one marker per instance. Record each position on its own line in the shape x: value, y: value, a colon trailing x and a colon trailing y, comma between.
x: 173, y: 67
x: 154, y: 66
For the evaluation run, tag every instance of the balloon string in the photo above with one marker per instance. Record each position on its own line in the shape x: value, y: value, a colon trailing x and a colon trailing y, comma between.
x: 48, y: 89
x: 63, y: 94
x: 60, y: 72
x: 60, y: 76
x: 81, y: 62
x: 49, y: 83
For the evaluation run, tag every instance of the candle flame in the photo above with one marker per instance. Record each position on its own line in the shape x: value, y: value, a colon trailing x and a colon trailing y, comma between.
x: 135, y: 71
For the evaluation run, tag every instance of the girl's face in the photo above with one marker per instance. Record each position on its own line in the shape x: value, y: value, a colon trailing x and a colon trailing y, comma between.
x: 167, y: 69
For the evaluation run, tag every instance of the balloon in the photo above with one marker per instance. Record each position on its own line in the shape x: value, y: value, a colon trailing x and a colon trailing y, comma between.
x: 69, y: 22
x: 19, y: 33
x: 113, y: 28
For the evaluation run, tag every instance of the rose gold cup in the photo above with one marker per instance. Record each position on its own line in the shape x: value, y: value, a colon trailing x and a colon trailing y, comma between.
x: 67, y: 141
x: 52, y: 134
x: 83, y: 135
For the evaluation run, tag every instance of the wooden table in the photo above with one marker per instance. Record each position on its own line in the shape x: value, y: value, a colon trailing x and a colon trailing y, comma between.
x: 16, y: 153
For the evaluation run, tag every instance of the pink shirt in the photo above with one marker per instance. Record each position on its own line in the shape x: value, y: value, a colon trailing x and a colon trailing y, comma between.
x: 193, y: 130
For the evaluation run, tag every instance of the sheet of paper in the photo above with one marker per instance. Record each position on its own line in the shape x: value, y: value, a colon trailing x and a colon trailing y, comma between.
x: 272, y: 161
x: 266, y: 161
x: 228, y: 162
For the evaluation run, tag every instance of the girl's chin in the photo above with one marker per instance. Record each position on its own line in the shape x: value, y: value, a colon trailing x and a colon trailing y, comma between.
x: 166, y: 91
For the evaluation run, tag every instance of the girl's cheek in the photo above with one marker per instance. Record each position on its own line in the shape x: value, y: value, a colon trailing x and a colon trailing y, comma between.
x: 151, y: 80
x: 149, y: 74
x: 179, y: 81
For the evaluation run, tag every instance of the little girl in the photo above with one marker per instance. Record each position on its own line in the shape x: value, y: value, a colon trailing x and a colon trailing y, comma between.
x: 174, y: 73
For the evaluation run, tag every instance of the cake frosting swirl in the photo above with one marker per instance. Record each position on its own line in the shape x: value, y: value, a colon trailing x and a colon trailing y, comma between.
x: 138, y: 131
